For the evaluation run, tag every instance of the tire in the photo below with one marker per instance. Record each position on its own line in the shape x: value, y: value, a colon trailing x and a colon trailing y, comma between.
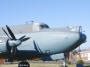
x: 23, y: 64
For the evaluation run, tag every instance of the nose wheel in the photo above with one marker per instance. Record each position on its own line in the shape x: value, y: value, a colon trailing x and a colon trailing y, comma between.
x: 23, y: 64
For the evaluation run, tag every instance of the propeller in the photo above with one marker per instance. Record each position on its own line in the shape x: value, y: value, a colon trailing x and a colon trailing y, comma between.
x: 13, y: 42
x: 11, y: 33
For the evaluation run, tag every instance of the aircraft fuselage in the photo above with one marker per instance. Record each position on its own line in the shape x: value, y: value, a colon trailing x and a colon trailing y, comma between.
x: 45, y: 43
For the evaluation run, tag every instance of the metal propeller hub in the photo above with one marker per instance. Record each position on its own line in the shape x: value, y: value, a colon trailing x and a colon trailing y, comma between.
x: 14, y: 42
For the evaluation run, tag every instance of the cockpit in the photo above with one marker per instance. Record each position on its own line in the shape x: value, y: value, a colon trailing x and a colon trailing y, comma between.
x: 42, y: 26
x: 39, y: 26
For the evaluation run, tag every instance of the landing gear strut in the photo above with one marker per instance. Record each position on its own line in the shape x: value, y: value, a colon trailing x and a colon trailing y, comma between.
x: 23, y: 64
x: 65, y: 59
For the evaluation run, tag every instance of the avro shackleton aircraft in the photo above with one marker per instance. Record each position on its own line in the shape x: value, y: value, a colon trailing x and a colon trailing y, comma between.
x: 37, y: 40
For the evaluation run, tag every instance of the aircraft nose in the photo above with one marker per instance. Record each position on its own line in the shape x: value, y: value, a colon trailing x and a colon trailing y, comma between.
x: 83, y: 37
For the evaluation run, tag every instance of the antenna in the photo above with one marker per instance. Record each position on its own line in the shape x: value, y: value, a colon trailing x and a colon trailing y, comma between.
x: 27, y: 22
x: 32, y: 21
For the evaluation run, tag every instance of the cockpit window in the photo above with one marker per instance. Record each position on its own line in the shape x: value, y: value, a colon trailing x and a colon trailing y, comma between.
x: 44, y: 26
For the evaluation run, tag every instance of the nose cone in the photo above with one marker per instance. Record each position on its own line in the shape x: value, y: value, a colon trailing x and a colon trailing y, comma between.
x: 83, y: 37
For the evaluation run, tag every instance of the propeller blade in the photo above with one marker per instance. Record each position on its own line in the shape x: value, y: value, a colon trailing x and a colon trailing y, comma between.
x: 25, y: 39
x: 22, y: 37
x: 11, y: 33
x: 6, y: 33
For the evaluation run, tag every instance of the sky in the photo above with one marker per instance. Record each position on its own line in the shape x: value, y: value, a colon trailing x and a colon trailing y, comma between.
x: 55, y: 13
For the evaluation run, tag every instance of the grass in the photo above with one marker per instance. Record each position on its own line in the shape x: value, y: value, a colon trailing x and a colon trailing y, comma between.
x: 72, y: 65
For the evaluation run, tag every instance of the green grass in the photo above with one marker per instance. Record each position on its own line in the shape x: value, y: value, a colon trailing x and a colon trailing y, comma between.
x: 72, y: 65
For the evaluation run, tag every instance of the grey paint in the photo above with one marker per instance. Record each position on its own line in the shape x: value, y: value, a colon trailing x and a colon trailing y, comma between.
x: 47, y: 40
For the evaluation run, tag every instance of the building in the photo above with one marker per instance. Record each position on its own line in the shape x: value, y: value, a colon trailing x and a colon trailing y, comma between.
x: 85, y: 55
x: 82, y: 55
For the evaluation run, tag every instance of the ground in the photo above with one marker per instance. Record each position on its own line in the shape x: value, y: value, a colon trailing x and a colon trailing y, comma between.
x: 42, y: 64
x: 37, y: 65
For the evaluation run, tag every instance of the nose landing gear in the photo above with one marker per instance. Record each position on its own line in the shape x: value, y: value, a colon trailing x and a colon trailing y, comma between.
x: 65, y: 59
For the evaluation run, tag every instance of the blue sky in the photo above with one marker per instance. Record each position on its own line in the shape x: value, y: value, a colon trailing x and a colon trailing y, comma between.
x: 55, y: 13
